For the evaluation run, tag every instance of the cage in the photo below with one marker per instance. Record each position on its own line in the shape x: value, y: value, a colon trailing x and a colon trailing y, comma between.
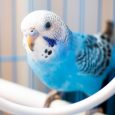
x: 80, y: 15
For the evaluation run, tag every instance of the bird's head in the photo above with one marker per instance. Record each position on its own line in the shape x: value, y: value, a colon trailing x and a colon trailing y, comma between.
x: 43, y: 32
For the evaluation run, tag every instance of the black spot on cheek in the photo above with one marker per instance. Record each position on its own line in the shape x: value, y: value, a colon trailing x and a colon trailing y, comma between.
x: 50, y: 52
x: 46, y: 51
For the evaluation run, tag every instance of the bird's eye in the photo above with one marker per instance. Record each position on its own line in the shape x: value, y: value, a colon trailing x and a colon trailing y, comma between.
x: 47, y: 25
x: 34, y: 32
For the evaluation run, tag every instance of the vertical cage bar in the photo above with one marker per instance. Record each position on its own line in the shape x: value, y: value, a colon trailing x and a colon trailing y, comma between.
x: 81, y: 15
x: 31, y: 74
x: 31, y: 4
x: 49, y: 5
x: 65, y: 3
x: 14, y: 35
x: 99, y: 16
x: 114, y: 11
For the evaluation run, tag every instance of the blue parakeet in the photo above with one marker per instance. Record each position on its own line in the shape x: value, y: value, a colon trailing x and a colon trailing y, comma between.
x: 65, y: 60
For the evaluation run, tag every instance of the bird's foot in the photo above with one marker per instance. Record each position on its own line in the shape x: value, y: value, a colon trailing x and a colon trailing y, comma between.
x: 53, y: 95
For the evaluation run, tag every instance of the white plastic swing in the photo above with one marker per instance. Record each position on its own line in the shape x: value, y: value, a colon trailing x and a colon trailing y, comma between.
x: 19, y: 100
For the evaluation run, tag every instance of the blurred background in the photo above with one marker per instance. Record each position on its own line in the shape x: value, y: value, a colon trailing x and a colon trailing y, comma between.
x: 87, y: 16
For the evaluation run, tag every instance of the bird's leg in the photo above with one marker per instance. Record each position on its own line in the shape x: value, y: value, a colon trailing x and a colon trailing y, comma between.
x: 53, y: 95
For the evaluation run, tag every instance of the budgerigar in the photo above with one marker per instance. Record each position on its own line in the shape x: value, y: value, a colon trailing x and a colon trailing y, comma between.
x: 65, y: 60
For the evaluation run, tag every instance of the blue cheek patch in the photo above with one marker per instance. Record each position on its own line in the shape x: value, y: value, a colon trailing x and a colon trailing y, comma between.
x: 51, y: 42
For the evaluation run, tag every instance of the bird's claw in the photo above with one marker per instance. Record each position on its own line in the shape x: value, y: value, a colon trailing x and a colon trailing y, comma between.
x: 53, y: 95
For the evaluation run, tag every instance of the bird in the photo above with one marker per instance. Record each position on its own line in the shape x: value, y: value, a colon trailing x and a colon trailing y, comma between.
x: 65, y: 60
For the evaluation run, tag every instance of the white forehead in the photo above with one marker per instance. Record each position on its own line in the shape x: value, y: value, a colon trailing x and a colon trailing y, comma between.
x: 38, y: 17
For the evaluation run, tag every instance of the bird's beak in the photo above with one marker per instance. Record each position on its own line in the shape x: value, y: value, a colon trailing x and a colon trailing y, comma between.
x: 30, y: 42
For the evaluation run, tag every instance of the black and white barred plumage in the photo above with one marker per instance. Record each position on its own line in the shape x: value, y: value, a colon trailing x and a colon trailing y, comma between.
x: 95, y: 57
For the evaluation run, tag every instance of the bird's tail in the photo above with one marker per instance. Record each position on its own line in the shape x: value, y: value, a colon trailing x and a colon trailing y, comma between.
x: 109, y: 31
